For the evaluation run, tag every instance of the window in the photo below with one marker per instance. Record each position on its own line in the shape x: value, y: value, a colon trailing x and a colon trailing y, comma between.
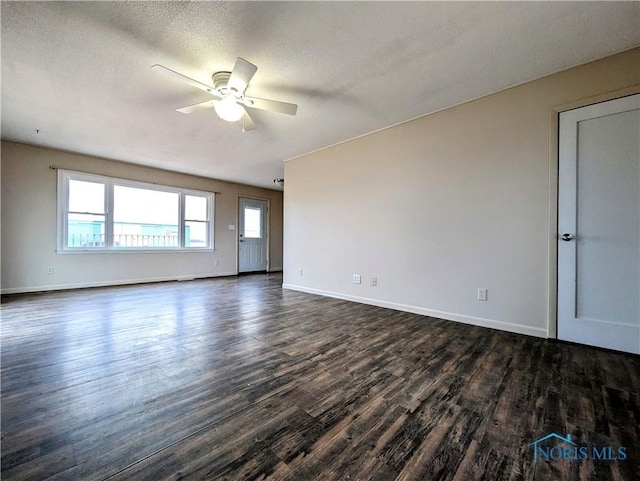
x: 145, y: 218
x: 86, y: 214
x: 98, y: 213
x: 195, y: 221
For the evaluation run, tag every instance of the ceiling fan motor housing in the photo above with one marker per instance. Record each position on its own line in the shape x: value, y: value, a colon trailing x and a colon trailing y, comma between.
x: 220, y: 81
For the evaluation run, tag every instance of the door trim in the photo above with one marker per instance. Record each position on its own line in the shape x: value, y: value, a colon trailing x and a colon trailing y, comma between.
x: 267, y: 225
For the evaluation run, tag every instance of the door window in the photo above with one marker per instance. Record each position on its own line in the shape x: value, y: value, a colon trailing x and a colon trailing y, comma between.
x: 252, y: 223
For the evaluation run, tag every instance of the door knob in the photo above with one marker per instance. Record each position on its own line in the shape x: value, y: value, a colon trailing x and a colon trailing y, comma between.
x: 567, y: 237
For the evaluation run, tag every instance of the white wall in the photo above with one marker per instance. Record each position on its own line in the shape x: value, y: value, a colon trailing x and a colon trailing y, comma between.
x: 29, y: 226
x: 440, y: 206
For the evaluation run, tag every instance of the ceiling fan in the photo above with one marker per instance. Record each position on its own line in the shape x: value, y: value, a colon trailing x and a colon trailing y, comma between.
x: 228, y: 91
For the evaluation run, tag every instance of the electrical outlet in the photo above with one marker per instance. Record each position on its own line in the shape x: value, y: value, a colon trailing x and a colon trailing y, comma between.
x: 300, y: 271
x: 50, y: 271
x: 217, y: 262
x: 374, y: 281
x: 357, y: 279
x: 482, y: 294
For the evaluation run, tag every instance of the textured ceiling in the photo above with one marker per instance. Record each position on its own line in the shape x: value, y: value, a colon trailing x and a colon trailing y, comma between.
x: 80, y: 72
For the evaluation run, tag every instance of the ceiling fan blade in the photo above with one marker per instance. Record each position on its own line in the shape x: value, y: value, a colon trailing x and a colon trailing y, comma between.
x: 192, y: 108
x: 247, y: 123
x: 183, y: 78
x: 272, y: 105
x: 241, y: 75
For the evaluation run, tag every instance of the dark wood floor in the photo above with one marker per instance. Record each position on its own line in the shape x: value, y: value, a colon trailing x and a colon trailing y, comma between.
x: 235, y: 378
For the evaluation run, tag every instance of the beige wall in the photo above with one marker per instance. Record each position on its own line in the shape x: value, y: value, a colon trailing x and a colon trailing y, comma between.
x: 440, y: 206
x: 29, y: 226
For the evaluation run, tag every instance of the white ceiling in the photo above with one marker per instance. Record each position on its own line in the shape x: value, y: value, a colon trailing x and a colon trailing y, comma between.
x: 80, y: 72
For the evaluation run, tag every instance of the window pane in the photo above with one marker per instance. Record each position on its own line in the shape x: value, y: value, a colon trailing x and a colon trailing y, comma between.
x: 252, y: 222
x: 196, y: 234
x: 84, y: 230
x: 144, y: 218
x: 86, y: 197
x: 195, y: 207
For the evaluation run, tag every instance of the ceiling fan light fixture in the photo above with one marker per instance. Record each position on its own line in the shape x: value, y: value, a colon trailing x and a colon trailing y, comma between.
x: 229, y: 93
x: 228, y: 109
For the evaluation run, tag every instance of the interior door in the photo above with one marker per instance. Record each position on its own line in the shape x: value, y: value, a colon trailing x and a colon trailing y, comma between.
x: 599, y: 225
x: 252, y: 235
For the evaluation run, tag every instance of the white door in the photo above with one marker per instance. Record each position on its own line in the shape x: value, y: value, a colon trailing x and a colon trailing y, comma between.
x: 252, y: 235
x: 599, y: 225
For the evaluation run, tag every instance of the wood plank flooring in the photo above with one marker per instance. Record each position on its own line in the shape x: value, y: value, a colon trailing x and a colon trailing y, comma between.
x: 237, y: 379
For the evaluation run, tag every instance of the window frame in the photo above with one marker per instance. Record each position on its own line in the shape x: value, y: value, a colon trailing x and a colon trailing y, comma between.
x: 64, y: 176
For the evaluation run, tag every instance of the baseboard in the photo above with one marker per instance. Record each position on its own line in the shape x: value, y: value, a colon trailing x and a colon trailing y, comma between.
x: 449, y: 316
x: 275, y: 269
x: 125, y: 282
